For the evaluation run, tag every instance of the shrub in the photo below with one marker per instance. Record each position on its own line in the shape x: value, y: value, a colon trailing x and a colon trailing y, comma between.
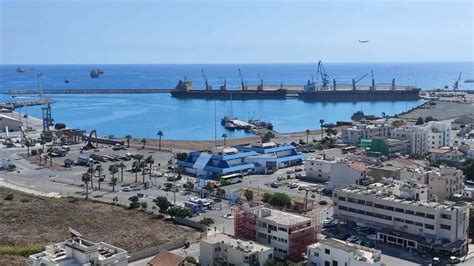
x: 207, y: 221
x: 34, y: 152
x: 323, y: 202
x: 248, y: 194
x: 190, y: 259
x: 9, y: 197
x: 22, y: 249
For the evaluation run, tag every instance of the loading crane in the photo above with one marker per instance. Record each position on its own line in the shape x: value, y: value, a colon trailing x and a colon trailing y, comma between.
x: 242, y: 81
x: 223, y: 87
x: 373, y: 80
x: 208, y: 87
x: 456, y: 83
x: 260, y: 87
x: 354, y: 81
x: 324, y: 75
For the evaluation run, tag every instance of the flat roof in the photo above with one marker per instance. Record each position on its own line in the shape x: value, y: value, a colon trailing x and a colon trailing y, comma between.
x: 236, y: 243
x: 281, y: 217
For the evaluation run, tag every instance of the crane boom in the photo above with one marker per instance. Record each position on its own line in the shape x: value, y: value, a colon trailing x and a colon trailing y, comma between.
x: 208, y: 87
x: 324, y: 75
x: 456, y: 83
x: 354, y: 81
x: 260, y: 86
x: 242, y: 81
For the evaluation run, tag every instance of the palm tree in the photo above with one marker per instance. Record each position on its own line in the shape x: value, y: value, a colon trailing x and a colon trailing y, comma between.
x: 150, y: 161
x: 128, y: 138
x: 136, y: 168
x: 28, y: 144
x: 139, y: 158
x: 160, y: 134
x: 99, y: 169
x: 121, y: 166
x: 143, y: 141
x: 86, y: 179
x: 142, y: 167
x: 307, y: 135
x: 224, y: 136
x: 42, y: 142
x: 113, y: 170
x: 90, y: 172
x: 321, y: 122
x: 40, y: 152
x: 383, y: 114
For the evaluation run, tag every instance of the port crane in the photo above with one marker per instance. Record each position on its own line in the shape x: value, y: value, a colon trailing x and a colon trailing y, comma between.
x: 354, y: 81
x: 208, y: 87
x: 260, y: 87
x: 456, y: 83
x: 223, y: 87
x: 324, y: 75
x: 242, y: 81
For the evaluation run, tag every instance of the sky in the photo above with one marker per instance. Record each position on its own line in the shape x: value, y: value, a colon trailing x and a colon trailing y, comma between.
x: 201, y: 31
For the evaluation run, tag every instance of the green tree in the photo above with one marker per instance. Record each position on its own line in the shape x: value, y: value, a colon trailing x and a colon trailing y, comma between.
x: 224, y: 136
x: 357, y: 116
x: 99, y: 170
x: 90, y: 172
x: 268, y: 136
x: 134, y: 202
x: 143, y: 141
x: 113, y: 170
x: 429, y: 118
x: 86, y: 180
x: 181, y: 212
x: 280, y: 200
x: 181, y: 156
x: 191, y: 260
x: 419, y: 121
x: 135, y: 169
x: 150, y: 161
x: 321, y: 123
x: 267, y: 197
x: 128, y: 138
x: 113, y: 182
x: 248, y: 194
x: 28, y: 144
x: 144, y: 205
x: 207, y: 221
x: 121, y: 166
x: 143, y: 166
x: 160, y: 135
x: 163, y: 203
x: 468, y: 169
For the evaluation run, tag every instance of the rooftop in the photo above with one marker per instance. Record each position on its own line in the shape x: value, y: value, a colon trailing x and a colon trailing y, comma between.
x: 165, y: 258
x: 281, y: 217
x: 386, y: 192
x: 359, y: 253
x: 236, y: 243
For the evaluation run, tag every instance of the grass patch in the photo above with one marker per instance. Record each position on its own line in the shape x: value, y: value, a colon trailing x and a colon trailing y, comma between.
x: 23, y: 250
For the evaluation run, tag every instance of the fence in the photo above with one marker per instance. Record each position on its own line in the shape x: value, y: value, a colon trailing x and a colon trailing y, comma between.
x: 183, y: 221
x: 152, y: 251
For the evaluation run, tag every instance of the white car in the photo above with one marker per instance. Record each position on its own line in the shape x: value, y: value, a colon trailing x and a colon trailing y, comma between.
x: 126, y: 189
x: 352, y: 239
x: 328, y: 220
x: 372, y: 237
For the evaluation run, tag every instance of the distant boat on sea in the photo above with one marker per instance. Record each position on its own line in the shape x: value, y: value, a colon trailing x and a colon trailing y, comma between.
x: 23, y: 70
x: 469, y: 81
x: 66, y: 80
x: 96, y: 73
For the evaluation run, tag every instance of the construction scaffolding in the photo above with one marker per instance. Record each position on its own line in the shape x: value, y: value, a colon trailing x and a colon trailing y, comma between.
x: 302, y: 231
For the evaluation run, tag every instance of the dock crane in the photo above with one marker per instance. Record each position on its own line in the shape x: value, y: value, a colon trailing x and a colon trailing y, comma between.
x: 260, y: 87
x: 456, y: 83
x: 242, y: 81
x: 324, y: 75
x: 46, y: 108
x: 373, y: 81
x: 208, y: 87
x: 354, y: 81
x: 223, y: 87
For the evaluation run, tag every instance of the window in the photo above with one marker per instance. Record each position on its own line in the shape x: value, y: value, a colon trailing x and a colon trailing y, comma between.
x: 379, y: 215
x: 327, y: 251
x: 445, y: 227
x: 446, y: 216
x: 342, y: 199
x: 334, y: 263
x: 398, y: 219
x: 282, y: 229
x: 389, y: 208
x: 368, y: 203
x: 351, y: 200
x: 342, y: 208
x: 430, y: 216
x: 420, y: 214
x: 272, y: 227
x: 418, y: 224
x: 409, y: 212
x: 316, y: 254
x: 386, y: 217
x: 429, y: 226
x: 361, y: 202
x: 327, y: 263
x: 399, y: 210
x: 378, y: 206
x: 409, y: 222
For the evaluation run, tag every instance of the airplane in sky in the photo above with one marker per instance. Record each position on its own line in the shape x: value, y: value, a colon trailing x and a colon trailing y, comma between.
x: 363, y: 41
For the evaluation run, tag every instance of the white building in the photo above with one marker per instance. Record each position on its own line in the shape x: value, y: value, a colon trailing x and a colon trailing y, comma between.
x: 447, y: 155
x: 446, y: 182
x: 78, y: 251
x: 439, y: 134
x: 8, y: 123
x: 336, y: 252
x: 339, y: 173
x: 224, y: 249
x: 404, y: 218
x: 417, y: 137
x: 354, y: 134
x: 289, y: 234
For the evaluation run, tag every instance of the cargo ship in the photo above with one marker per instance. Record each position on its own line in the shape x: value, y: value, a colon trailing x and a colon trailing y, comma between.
x: 184, y: 90
x: 313, y: 92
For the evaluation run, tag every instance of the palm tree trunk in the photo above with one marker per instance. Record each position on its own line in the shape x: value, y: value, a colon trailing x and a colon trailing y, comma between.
x: 143, y: 177
x: 121, y: 174
x: 87, y: 190
x: 159, y: 144
x: 307, y: 138
x: 28, y: 150
x: 150, y: 171
x: 136, y: 176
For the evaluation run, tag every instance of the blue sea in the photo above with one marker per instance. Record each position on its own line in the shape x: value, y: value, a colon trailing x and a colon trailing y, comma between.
x: 142, y: 115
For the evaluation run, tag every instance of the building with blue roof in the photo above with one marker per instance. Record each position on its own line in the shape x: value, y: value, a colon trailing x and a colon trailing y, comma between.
x: 255, y: 158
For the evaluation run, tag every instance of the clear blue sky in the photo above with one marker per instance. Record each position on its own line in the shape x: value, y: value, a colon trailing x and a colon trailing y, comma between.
x: 74, y: 32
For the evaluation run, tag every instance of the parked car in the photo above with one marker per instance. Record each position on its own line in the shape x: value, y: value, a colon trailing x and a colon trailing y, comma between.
x: 126, y: 189
x: 274, y: 185
x: 369, y: 244
x: 281, y: 178
x: 454, y: 260
x: 293, y: 185
x: 352, y: 239
x: 328, y: 220
x: 372, y: 237
x: 435, y: 261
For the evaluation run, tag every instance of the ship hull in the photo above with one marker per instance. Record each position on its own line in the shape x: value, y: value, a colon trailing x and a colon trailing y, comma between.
x: 360, y: 95
x: 229, y: 94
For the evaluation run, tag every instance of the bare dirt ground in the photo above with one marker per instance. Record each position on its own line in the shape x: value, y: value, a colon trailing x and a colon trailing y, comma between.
x: 30, y: 220
x: 441, y: 110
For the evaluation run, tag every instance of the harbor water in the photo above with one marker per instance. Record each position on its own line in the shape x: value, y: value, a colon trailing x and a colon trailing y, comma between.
x: 142, y: 115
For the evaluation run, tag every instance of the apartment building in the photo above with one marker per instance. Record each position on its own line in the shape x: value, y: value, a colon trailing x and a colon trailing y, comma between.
x: 78, y: 251
x: 447, y: 155
x: 353, y: 135
x: 417, y: 137
x: 403, y: 215
x: 289, y: 234
x: 445, y: 182
x: 439, y: 134
x: 336, y: 252
x: 224, y: 249
x: 339, y: 173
